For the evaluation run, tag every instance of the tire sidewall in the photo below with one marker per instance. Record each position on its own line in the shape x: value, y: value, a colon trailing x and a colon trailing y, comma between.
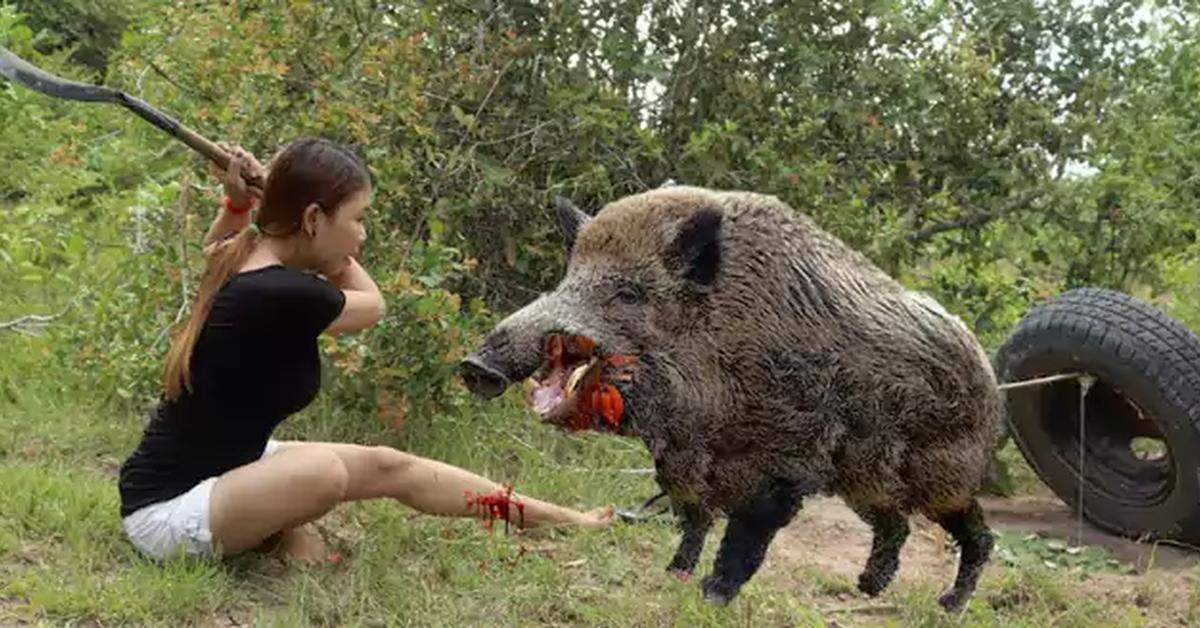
x: 1033, y: 352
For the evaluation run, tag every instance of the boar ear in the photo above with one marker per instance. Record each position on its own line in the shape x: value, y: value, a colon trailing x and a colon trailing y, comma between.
x: 570, y: 220
x: 696, y: 250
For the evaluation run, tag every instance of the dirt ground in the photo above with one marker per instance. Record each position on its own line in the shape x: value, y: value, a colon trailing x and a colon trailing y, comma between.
x: 829, y: 535
x: 829, y: 538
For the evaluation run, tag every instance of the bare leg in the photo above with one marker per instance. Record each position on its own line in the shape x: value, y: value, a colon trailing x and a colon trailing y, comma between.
x: 437, y: 488
x: 302, y: 481
x: 279, y: 492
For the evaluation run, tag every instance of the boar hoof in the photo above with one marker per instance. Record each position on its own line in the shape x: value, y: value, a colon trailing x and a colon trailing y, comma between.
x: 871, y: 583
x: 953, y: 599
x: 716, y: 592
x: 683, y: 575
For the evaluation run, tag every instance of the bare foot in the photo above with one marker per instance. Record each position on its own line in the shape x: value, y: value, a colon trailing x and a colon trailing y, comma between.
x: 598, y: 517
x: 303, y: 546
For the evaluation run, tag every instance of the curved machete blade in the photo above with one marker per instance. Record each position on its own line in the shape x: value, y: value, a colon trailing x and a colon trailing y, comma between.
x: 21, y: 71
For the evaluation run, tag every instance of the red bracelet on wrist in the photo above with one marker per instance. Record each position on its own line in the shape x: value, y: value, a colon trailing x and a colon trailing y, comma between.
x: 227, y: 203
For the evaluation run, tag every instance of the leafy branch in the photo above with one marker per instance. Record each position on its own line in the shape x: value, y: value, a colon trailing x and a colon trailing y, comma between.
x: 32, y: 324
x: 1016, y: 204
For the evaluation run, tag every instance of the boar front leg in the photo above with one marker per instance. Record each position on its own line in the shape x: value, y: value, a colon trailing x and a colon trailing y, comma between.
x: 747, y: 536
x: 694, y: 523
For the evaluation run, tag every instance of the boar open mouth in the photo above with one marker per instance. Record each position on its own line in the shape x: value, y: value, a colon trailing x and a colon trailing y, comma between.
x: 574, y: 387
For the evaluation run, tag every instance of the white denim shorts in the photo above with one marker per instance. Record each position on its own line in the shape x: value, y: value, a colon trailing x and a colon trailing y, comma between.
x: 178, y: 525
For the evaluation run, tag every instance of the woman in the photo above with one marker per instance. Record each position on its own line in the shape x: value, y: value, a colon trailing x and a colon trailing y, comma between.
x: 207, y: 477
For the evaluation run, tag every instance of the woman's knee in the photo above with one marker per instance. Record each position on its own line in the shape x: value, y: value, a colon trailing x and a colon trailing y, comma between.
x: 325, y: 475
x: 379, y: 470
x: 384, y: 460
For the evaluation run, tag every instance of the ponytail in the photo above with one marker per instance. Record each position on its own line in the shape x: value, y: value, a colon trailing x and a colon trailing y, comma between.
x: 223, y: 260
x: 308, y: 171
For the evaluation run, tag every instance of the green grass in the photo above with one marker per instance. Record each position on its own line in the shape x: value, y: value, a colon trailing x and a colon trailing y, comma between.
x: 63, y: 559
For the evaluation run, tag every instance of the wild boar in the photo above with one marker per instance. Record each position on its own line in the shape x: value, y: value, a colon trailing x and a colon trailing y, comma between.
x: 762, y: 360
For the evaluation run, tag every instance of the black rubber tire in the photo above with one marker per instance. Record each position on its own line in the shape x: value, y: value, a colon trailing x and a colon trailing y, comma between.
x: 1147, y: 370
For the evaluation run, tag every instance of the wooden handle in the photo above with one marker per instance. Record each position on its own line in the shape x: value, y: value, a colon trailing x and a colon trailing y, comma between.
x: 197, y: 142
x: 215, y: 154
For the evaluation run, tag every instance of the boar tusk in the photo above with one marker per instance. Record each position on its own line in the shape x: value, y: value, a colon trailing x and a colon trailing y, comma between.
x: 577, y: 376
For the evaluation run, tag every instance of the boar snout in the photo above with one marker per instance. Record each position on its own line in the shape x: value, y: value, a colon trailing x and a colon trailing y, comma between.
x: 481, y: 379
x: 513, y: 350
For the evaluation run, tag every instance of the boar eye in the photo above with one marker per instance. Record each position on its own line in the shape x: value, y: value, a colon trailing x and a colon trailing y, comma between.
x: 628, y: 294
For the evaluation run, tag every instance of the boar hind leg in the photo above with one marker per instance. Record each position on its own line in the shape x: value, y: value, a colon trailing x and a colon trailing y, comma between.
x: 747, y: 536
x: 974, y: 539
x: 694, y: 523
x: 890, y: 529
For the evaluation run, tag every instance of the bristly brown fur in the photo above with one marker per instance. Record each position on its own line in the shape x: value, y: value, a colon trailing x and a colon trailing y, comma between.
x: 774, y: 362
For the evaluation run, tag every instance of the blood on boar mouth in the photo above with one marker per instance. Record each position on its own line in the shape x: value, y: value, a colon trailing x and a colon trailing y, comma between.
x: 573, y: 387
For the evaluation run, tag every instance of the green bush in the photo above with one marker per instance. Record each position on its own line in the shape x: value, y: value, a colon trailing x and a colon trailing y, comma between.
x: 403, y: 371
x: 975, y: 169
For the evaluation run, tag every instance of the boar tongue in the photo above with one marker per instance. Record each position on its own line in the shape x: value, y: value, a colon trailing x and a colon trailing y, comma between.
x: 546, y: 398
x: 549, y: 392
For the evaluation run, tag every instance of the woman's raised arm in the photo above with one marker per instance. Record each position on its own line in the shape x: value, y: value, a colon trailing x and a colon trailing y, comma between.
x: 239, y: 197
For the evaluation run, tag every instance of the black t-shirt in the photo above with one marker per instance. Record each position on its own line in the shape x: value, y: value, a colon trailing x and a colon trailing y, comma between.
x: 255, y: 363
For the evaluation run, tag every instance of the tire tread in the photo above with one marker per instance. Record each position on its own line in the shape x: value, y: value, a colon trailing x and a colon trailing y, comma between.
x: 1129, y: 330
